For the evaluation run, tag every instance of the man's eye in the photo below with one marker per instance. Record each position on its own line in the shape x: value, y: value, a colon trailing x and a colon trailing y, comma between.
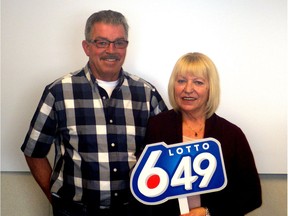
x: 102, y: 43
x: 120, y: 42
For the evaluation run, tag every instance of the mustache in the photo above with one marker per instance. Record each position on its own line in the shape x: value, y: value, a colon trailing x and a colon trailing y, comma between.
x: 110, y: 56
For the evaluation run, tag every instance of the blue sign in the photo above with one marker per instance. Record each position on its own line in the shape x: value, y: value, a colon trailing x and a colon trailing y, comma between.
x: 172, y: 171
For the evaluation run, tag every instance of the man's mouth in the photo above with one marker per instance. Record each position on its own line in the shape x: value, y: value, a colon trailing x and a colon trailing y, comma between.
x: 110, y: 58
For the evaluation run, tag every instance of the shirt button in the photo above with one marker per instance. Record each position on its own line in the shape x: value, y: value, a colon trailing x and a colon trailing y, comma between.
x: 113, y: 144
x: 111, y: 121
x: 115, y: 194
x: 115, y: 170
x: 103, y: 97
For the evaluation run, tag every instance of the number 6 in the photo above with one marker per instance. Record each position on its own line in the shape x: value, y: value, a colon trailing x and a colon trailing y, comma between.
x: 153, y: 181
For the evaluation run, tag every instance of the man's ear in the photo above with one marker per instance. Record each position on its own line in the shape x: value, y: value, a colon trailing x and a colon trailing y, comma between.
x: 86, y: 46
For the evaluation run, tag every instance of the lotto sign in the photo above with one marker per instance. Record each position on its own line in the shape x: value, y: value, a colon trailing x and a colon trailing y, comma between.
x: 172, y: 171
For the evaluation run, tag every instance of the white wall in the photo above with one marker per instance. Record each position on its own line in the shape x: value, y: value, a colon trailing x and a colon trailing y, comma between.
x: 247, y: 39
x: 41, y: 40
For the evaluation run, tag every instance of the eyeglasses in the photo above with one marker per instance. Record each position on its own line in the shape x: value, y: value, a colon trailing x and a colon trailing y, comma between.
x: 118, y: 44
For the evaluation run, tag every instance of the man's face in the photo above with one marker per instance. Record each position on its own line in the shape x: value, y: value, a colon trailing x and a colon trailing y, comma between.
x: 105, y: 63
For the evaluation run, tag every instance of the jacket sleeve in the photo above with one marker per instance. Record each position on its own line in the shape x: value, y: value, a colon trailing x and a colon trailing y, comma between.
x: 243, y: 191
x: 249, y: 189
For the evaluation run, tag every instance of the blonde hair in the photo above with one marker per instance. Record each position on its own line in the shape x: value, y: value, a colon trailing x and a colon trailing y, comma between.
x: 197, y: 64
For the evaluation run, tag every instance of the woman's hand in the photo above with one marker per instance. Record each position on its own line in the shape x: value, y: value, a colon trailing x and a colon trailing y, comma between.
x: 199, y: 211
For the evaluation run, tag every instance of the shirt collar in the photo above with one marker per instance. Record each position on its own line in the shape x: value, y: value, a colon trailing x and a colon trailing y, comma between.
x: 92, y: 79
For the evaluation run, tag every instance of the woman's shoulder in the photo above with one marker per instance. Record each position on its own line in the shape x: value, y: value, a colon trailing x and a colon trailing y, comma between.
x: 219, y: 121
x: 166, y: 115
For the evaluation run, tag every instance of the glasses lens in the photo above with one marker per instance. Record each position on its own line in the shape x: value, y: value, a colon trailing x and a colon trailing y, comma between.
x: 121, y: 44
x: 102, y: 43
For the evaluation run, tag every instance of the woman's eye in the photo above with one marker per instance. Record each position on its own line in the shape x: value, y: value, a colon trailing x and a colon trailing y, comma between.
x: 198, y: 82
x: 180, y: 81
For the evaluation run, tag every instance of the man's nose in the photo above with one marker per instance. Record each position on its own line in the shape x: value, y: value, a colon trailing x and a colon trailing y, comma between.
x: 111, y: 47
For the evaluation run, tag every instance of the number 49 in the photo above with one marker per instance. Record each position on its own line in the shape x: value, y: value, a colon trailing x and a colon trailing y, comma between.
x: 153, y: 181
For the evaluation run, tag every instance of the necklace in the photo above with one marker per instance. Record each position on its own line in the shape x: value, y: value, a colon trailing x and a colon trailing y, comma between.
x: 196, y: 132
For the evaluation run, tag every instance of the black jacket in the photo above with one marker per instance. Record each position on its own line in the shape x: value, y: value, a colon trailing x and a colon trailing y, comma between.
x: 243, y: 191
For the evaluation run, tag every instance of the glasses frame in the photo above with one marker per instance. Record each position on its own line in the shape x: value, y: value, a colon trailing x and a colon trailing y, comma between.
x: 108, y: 43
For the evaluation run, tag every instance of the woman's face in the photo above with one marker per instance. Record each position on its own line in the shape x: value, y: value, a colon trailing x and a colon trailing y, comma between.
x: 191, y: 93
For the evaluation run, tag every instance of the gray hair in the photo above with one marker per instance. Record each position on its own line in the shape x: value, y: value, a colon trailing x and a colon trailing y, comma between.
x: 107, y: 17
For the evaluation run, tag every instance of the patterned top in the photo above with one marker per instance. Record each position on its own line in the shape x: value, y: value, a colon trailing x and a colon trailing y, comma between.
x: 96, y: 137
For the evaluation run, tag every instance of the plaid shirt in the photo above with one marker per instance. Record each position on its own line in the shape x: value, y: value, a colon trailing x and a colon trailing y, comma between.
x: 95, y: 137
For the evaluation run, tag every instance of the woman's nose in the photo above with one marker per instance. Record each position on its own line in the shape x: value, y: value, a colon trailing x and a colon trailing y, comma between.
x: 189, y: 88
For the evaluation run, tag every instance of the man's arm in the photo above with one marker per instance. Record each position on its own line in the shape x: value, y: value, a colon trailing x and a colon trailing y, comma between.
x: 41, y: 171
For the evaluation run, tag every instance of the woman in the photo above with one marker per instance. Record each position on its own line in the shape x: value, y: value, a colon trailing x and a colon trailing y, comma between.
x: 194, y: 93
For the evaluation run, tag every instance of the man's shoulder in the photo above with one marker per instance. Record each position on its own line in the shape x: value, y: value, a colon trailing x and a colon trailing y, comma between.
x: 67, y: 78
x: 137, y: 80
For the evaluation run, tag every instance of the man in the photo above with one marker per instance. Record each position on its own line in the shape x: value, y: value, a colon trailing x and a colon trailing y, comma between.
x: 96, y: 117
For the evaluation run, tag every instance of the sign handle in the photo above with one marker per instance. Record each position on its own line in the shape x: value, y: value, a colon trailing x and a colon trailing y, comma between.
x: 183, y: 205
